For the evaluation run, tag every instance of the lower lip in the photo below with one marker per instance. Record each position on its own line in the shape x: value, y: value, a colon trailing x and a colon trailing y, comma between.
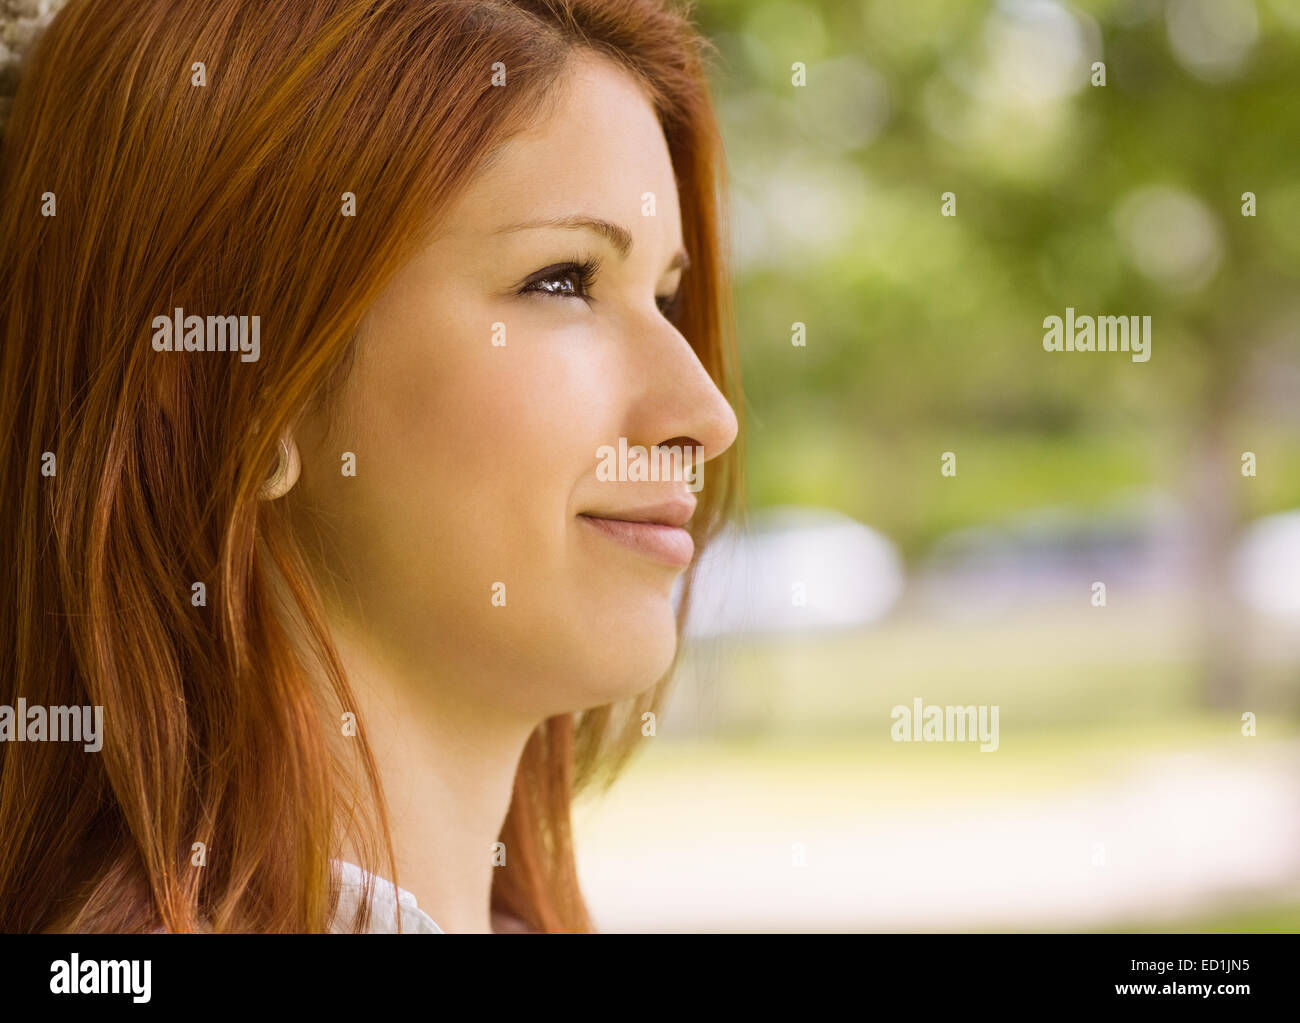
x: 670, y: 545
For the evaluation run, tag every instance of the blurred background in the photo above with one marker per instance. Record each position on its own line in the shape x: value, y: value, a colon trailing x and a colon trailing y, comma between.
x: 1147, y: 775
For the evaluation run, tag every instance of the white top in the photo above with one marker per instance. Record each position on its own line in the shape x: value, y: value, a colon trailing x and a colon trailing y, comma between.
x: 386, y: 905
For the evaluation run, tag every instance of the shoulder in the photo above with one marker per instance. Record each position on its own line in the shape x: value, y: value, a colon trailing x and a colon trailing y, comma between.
x: 393, y: 910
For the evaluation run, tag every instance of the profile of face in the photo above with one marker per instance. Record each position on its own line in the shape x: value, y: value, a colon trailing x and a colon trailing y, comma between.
x: 477, y: 546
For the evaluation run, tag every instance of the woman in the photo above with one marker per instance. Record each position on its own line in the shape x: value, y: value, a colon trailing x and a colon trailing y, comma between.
x: 317, y: 317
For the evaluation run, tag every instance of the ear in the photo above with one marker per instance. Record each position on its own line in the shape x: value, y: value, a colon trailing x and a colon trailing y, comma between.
x: 285, y: 473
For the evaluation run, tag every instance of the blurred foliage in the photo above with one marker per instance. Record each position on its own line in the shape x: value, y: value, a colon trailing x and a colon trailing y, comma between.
x: 924, y: 332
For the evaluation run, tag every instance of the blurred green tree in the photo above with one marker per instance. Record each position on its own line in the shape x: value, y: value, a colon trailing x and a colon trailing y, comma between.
x: 924, y: 331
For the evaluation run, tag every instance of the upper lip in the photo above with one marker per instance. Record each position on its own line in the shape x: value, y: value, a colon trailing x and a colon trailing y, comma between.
x: 674, y: 512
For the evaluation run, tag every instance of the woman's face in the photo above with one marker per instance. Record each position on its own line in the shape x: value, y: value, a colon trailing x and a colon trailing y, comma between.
x: 476, y: 462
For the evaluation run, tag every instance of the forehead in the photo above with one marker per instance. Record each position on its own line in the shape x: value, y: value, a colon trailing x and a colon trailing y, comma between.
x: 597, y: 151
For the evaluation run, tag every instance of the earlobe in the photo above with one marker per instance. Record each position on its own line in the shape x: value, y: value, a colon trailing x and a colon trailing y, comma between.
x: 286, y: 471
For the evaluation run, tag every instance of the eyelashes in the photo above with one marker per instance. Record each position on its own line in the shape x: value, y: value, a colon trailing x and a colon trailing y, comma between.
x: 574, y: 278
x: 668, y: 304
x: 579, y: 274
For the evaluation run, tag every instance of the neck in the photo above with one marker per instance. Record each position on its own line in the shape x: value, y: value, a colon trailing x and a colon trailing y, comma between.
x: 447, y: 772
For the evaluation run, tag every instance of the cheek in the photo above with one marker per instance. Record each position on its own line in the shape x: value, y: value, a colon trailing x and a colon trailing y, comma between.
x: 469, y: 457
x: 503, y: 432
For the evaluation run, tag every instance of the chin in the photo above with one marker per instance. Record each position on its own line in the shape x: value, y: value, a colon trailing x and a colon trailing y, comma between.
x: 632, y: 654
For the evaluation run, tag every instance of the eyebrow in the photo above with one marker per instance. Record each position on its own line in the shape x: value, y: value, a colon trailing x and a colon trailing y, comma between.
x: 617, y: 235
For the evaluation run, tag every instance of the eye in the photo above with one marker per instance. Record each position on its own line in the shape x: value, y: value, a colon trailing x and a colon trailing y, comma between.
x: 668, y: 303
x: 570, y: 279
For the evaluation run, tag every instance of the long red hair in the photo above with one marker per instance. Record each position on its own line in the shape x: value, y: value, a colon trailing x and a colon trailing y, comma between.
x: 226, y: 196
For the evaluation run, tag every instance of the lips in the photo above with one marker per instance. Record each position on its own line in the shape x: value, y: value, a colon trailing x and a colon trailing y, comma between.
x: 653, y: 531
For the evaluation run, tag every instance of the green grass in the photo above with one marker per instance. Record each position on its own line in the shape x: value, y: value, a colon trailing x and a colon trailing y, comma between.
x: 1282, y: 918
x: 1129, y: 666
x: 875, y: 773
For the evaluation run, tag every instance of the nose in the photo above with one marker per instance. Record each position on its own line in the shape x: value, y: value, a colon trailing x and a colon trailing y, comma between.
x: 677, y: 401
